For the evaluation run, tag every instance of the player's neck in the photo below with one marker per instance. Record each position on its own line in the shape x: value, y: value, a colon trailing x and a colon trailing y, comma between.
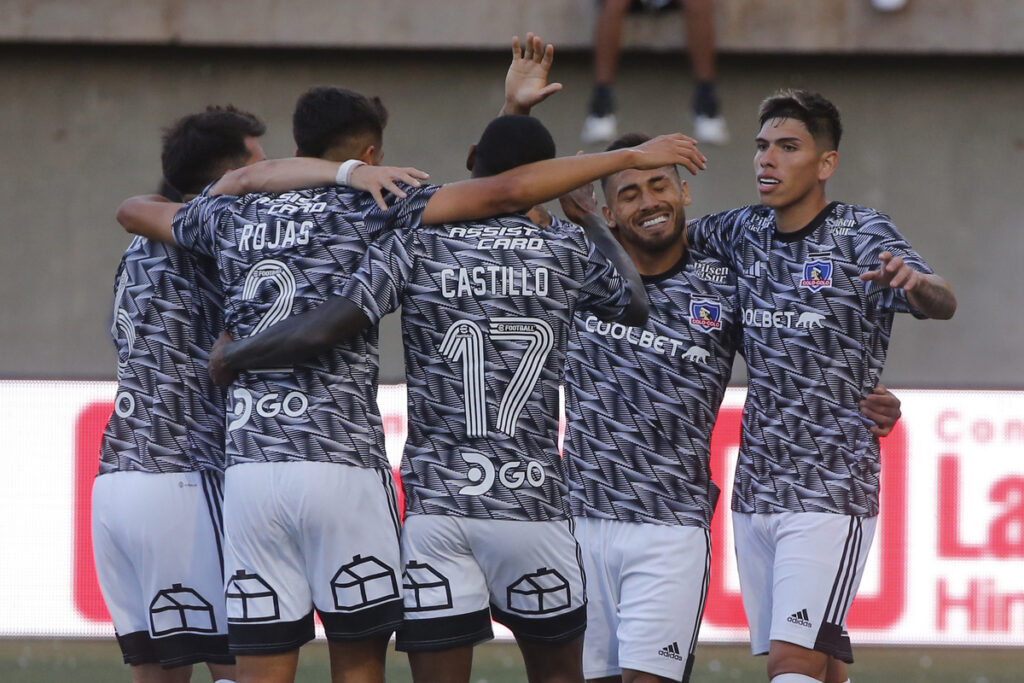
x: 658, y: 262
x: 796, y: 216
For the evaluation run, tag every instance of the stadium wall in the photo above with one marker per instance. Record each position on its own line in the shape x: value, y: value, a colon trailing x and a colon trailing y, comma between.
x: 937, y: 142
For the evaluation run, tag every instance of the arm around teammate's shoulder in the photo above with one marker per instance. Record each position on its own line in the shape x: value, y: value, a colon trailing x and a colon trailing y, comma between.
x: 637, y: 311
x: 150, y: 216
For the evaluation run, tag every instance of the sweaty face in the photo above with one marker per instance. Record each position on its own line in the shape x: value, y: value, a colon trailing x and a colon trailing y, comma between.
x: 256, y: 152
x: 787, y: 165
x: 646, y: 207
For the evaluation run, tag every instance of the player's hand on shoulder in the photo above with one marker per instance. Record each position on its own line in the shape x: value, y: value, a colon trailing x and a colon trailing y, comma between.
x: 219, y: 371
x: 882, y: 407
x: 378, y: 179
x: 526, y: 84
x: 894, y: 273
x: 666, y: 150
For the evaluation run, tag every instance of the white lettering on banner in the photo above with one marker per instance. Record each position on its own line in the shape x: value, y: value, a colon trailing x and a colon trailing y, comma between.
x: 959, y: 518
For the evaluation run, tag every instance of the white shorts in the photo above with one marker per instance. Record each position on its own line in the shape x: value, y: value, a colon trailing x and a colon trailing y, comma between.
x: 156, y: 540
x: 305, y: 535
x: 799, y: 572
x: 646, y: 588
x: 459, y: 572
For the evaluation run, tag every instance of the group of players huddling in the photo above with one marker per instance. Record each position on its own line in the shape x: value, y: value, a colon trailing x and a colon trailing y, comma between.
x: 222, y: 520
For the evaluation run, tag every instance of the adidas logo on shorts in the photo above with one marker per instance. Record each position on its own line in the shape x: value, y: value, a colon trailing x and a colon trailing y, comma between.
x: 671, y: 651
x: 799, y: 618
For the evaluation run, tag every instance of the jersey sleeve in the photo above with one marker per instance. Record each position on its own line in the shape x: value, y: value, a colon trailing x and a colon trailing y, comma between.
x: 377, y: 285
x: 604, y: 292
x: 195, y: 224
x: 401, y: 213
x: 715, y: 235
x: 878, y: 234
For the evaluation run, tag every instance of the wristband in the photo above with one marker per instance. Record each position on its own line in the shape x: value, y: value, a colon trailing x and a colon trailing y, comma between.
x: 345, y: 171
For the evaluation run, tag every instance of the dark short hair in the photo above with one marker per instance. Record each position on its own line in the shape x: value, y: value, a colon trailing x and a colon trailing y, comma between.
x: 326, y: 117
x: 199, y: 148
x: 810, y: 108
x: 511, y: 141
x: 623, y: 142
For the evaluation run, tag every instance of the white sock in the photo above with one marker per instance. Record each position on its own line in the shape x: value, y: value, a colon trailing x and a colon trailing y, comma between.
x: 794, y: 678
x: 847, y: 681
x: 227, y: 680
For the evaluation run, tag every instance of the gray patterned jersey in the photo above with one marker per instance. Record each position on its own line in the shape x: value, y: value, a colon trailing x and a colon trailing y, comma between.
x: 814, y: 338
x: 486, y: 314
x: 641, y: 402
x: 279, y: 255
x: 168, y: 416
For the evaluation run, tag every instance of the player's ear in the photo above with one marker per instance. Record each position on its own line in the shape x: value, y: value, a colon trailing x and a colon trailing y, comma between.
x: 371, y: 155
x: 685, y: 191
x: 471, y: 158
x: 609, y: 218
x: 827, y: 165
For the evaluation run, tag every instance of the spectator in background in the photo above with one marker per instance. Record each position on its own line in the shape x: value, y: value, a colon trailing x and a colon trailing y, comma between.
x: 709, y: 125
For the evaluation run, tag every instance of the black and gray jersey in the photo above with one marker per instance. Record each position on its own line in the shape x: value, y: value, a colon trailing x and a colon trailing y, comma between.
x: 280, y: 255
x: 168, y: 416
x: 814, y: 338
x: 486, y: 314
x: 641, y: 401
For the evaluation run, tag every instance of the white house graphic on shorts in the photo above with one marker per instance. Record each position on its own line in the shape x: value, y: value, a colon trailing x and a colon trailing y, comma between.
x: 363, y: 582
x: 542, y: 592
x: 178, y: 609
x: 425, y: 588
x: 250, y: 599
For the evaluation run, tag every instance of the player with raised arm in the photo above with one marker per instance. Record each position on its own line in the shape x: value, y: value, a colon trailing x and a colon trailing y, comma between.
x: 157, y: 500
x: 486, y: 313
x: 283, y: 254
x: 819, y: 283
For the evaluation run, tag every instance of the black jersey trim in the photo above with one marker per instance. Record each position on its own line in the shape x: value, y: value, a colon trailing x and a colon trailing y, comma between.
x: 377, y: 620
x: 703, y: 601
x: 545, y: 631
x: 803, y: 232
x: 272, y: 638
x: 444, y: 633
x: 679, y: 267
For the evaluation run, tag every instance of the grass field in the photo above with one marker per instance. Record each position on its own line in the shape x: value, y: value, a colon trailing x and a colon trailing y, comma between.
x: 91, y: 661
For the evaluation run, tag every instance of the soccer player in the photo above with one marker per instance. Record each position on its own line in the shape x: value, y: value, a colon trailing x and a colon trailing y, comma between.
x: 640, y: 407
x: 157, y: 499
x: 818, y: 285
x: 486, y: 312
x: 305, y: 445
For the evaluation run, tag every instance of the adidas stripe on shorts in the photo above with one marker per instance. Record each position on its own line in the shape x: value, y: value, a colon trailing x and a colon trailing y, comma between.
x: 799, y: 573
x: 646, y: 589
x: 157, y: 544
x: 301, y: 535
x: 461, y: 571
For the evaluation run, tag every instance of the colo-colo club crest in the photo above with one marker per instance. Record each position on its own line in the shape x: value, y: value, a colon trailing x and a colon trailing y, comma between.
x: 817, y: 272
x: 705, y: 314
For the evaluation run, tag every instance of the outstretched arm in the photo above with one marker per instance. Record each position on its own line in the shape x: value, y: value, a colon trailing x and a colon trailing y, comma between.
x: 299, y: 173
x: 926, y: 292
x: 149, y: 216
x: 290, y: 341
x: 520, y: 188
x: 526, y: 84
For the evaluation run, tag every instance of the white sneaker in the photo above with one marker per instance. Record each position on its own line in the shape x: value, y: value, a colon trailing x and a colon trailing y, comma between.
x: 599, y: 129
x: 711, y: 131
x: 888, y: 5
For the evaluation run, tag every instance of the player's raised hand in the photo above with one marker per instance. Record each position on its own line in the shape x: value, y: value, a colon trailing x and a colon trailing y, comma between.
x: 219, y: 372
x: 893, y: 273
x: 377, y: 179
x: 883, y: 408
x: 579, y: 203
x: 526, y: 84
x: 666, y: 150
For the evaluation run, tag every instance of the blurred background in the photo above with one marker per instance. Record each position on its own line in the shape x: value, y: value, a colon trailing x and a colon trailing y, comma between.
x: 932, y: 96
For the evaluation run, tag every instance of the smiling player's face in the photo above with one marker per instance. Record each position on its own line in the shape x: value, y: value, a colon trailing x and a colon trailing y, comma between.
x: 646, y: 207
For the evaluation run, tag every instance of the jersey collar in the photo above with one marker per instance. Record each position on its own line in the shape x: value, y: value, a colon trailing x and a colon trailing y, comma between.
x: 803, y: 232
